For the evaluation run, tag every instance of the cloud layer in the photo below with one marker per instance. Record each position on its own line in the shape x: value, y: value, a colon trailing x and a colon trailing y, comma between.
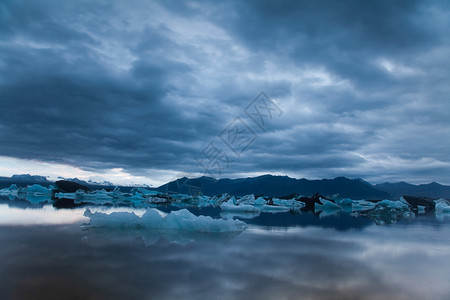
x: 144, y: 86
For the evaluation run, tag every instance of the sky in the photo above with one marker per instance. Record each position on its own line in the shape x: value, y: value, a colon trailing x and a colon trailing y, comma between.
x: 148, y: 91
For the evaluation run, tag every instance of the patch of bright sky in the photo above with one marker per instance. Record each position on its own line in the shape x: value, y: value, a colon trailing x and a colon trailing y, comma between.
x: 11, y: 166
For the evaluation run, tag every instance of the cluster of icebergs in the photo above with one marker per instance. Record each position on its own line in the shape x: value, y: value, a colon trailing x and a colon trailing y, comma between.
x: 33, y: 193
x: 247, y: 206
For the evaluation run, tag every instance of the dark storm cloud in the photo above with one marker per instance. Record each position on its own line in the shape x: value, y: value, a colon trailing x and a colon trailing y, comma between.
x: 146, y: 85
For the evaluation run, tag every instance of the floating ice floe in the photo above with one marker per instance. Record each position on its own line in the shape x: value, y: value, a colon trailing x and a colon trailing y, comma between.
x: 182, y: 220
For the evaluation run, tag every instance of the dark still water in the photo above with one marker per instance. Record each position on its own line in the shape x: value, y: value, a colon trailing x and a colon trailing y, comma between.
x: 44, y: 254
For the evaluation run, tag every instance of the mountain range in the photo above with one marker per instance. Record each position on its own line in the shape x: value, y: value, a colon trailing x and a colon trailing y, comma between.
x: 278, y: 186
x: 269, y: 185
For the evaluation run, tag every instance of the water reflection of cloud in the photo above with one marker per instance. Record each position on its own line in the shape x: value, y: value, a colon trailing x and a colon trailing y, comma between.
x: 396, y: 262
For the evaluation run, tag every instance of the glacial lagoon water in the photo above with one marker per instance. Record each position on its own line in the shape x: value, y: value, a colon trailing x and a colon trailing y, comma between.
x: 46, y: 254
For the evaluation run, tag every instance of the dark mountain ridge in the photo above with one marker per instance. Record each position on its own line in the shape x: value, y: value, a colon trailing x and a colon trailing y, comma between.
x: 276, y: 186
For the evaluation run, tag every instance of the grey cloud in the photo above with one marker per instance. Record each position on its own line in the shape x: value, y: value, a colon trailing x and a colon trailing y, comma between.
x: 101, y: 86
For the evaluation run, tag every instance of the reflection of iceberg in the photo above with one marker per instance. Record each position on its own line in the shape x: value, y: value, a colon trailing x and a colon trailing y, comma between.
x: 109, y: 236
x: 240, y: 215
x: 329, y: 212
x: 441, y: 215
x: 274, y: 208
x: 420, y: 209
x: 38, y: 198
x: 182, y: 220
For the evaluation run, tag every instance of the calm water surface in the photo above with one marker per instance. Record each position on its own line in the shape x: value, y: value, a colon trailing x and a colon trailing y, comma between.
x: 44, y: 254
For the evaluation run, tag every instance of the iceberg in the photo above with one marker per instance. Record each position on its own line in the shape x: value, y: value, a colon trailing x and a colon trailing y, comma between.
x: 247, y: 199
x: 37, y: 189
x: 442, y: 205
x: 260, y: 201
x: 219, y: 200
x: 230, y: 206
x: 362, y: 205
x: 345, y: 201
x: 10, y: 191
x: 387, y: 211
x: 291, y: 203
x: 326, y: 205
x: 182, y: 220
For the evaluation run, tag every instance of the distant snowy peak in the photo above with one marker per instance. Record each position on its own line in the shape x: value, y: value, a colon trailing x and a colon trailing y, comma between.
x: 28, y: 178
